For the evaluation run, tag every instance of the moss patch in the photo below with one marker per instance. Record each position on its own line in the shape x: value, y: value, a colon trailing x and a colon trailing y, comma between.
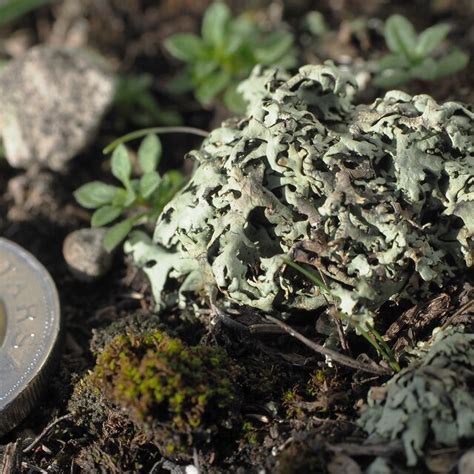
x: 180, y: 396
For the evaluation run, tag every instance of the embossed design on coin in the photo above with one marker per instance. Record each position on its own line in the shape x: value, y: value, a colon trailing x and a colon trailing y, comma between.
x: 29, y: 328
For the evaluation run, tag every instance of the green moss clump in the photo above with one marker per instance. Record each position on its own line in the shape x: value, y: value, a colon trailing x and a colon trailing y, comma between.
x: 250, y: 433
x: 321, y: 393
x: 175, y: 392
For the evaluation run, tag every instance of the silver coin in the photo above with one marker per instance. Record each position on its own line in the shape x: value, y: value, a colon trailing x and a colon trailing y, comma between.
x: 29, y: 330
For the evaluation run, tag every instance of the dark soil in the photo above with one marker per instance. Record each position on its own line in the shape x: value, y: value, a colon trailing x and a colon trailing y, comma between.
x: 296, y: 412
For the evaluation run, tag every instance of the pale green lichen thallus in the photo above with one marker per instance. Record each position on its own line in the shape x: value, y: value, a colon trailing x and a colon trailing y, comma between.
x: 378, y: 198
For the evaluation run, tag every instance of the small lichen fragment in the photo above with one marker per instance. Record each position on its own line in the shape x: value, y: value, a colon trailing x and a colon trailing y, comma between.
x: 431, y: 403
x: 378, y: 198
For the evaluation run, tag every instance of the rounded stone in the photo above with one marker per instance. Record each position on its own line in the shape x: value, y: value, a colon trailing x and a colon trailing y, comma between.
x: 85, y: 254
x: 466, y: 463
x: 29, y: 331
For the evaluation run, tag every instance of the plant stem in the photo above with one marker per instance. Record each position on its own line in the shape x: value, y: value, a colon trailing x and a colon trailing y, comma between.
x: 371, y: 336
x: 158, y: 130
x: 335, y: 356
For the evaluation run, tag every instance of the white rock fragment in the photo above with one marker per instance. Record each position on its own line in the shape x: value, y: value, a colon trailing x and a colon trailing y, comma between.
x: 51, y: 103
x: 191, y: 469
x: 85, y: 255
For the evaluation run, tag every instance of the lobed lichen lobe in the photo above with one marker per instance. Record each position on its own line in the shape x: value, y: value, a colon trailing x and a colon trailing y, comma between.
x: 429, y: 404
x: 377, y: 198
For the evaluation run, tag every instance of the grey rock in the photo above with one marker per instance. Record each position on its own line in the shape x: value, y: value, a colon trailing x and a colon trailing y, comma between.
x: 85, y: 255
x: 51, y: 103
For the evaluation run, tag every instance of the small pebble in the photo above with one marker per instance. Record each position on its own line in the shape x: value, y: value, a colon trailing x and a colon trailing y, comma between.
x: 466, y: 463
x: 85, y: 255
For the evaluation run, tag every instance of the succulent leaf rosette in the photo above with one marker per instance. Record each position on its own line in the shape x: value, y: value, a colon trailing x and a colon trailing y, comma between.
x: 377, y: 198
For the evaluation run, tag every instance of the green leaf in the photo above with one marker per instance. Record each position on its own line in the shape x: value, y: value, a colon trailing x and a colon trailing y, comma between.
x: 184, y: 46
x: 400, y: 36
x: 117, y: 233
x: 234, y: 101
x: 95, y: 194
x: 452, y: 63
x: 392, y: 61
x: 105, y: 215
x: 168, y: 118
x: 274, y: 47
x: 181, y: 83
x: 124, y: 197
x: 430, y: 39
x: 12, y: 9
x: 135, y: 101
x: 215, y: 23
x: 245, y: 29
x: 120, y: 198
x: 149, y: 183
x: 315, y: 23
x: 121, y: 165
x: 173, y: 179
x: 203, y: 70
x: 149, y: 153
x: 289, y: 60
x: 135, y: 185
x: 426, y: 71
x: 130, y: 197
x: 235, y: 41
x: 170, y: 184
x: 242, y: 31
x: 392, y: 79
x: 310, y: 275
x: 212, y: 87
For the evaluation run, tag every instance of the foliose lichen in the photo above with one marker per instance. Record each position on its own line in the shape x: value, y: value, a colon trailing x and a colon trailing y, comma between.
x: 429, y: 404
x: 378, y: 198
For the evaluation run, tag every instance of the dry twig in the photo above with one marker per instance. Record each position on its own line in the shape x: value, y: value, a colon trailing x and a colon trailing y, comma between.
x: 45, y: 432
x: 358, y: 449
x: 11, y: 458
x: 464, y: 309
x: 333, y: 355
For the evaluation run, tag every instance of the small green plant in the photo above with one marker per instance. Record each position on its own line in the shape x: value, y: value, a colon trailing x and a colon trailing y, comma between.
x: 226, y: 53
x: 315, y: 24
x: 14, y: 9
x: 250, y: 433
x: 140, y: 200
x: 134, y: 102
x: 371, y: 335
x: 412, y: 55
